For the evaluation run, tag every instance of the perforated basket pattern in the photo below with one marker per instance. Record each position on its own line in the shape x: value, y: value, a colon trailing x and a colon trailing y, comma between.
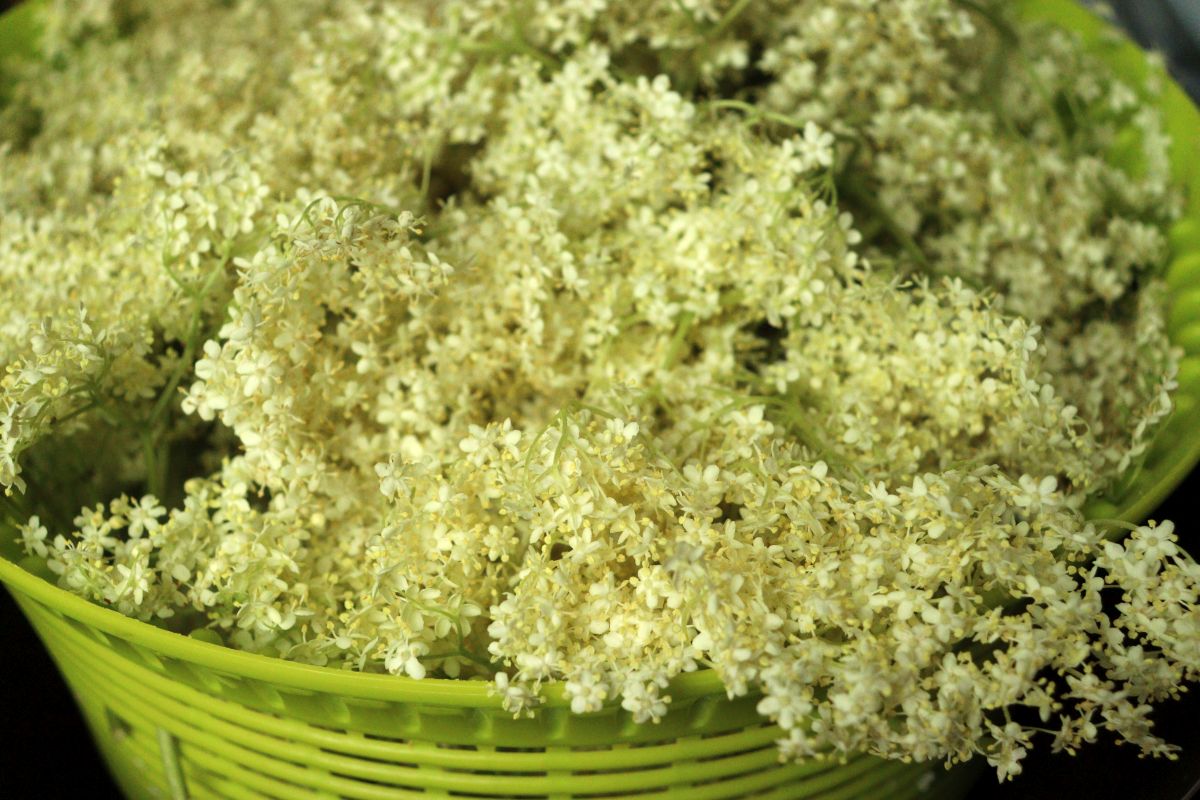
x: 177, y: 717
x: 161, y: 719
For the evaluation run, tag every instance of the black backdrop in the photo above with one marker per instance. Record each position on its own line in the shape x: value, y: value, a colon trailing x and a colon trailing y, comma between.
x: 47, y: 753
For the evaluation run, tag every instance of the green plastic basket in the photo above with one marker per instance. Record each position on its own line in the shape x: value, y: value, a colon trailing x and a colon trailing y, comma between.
x: 178, y: 717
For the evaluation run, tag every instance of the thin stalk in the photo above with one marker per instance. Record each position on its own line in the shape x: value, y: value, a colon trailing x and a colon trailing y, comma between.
x: 855, y: 190
x: 755, y: 113
x: 675, y: 346
x: 510, y: 48
x: 730, y: 17
x: 154, y: 472
x: 189, y: 347
x: 997, y: 21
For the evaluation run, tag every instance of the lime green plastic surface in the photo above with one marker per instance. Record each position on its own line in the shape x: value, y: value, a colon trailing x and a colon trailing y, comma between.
x: 177, y: 716
x: 18, y: 32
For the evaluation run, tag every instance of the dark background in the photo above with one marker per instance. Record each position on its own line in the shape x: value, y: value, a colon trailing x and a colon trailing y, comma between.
x: 46, y: 752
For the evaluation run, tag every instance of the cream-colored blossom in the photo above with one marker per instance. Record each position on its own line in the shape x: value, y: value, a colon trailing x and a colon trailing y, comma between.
x: 781, y: 339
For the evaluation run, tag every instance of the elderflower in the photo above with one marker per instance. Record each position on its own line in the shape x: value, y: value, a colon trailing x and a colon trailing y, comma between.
x: 603, y: 345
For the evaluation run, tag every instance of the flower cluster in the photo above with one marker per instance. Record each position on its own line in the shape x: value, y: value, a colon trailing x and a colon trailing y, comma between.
x: 600, y: 341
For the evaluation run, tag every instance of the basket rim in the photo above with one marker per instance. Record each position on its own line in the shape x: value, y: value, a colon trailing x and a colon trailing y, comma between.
x: 1101, y: 39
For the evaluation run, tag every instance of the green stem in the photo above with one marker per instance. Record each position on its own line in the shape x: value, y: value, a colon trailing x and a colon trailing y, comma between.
x: 480, y: 660
x: 755, y: 113
x: 510, y: 48
x: 346, y: 202
x: 154, y: 479
x: 675, y: 346
x: 683, y: 10
x: 730, y: 17
x: 427, y: 174
x: 461, y: 652
x: 154, y: 455
x: 524, y: 47
x: 1116, y: 523
x: 47, y: 409
x: 996, y: 20
x: 83, y: 409
x: 12, y: 509
x: 854, y: 189
x: 798, y: 423
x: 189, y: 347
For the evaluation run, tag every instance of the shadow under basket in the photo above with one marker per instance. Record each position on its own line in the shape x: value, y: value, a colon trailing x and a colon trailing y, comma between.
x: 178, y: 717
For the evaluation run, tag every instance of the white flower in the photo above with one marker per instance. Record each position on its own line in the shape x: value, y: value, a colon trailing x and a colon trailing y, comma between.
x: 643, y: 700
x: 133, y: 583
x: 816, y: 147
x: 404, y: 657
x: 33, y: 537
x: 586, y: 692
x: 1036, y: 494
x: 1155, y: 542
x: 144, y: 516
x: 516, y: 698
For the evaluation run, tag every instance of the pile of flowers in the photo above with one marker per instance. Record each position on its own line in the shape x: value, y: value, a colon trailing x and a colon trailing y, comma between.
x: 600, y: 341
